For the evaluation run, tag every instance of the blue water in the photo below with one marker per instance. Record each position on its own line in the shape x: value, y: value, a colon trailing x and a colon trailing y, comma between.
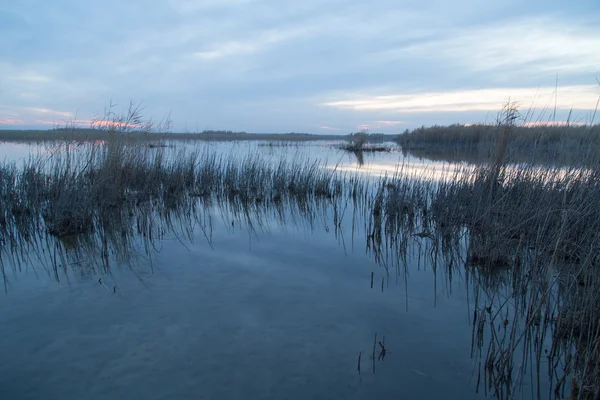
x: 278, y: 311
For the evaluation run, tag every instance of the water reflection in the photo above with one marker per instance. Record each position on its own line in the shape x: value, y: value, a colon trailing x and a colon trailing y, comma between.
x: 14, y: 152
x: 555, y: 155
x: 279, y: 292
x: 369, y: 163
x: 137, y: 239
x: 285, y: 304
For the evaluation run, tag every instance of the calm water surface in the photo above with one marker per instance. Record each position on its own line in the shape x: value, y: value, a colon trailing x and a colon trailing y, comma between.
x: 277, y: 312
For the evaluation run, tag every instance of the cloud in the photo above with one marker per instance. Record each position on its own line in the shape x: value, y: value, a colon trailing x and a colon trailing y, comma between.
x: 583, y: 97
x: 10, y: 121
x: 389, y: 123
x: 244, y: 47
x: 64, y: 114
x: 328, y: 128
x: 185, y: 7
x: 36, y: 116
x: 28, y: 76
x: 539, y: 44
x: 225, y: 50
x: 378, y: 125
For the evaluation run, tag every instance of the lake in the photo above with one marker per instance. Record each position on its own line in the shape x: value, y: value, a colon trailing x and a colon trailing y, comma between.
x: 274, y: 303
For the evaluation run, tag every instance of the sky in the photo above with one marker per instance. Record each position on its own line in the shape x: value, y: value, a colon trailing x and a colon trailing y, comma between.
x: 313, y: 66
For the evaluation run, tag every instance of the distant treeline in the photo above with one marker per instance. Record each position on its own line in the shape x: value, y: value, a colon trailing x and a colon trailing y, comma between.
x: 72, y: 134
x: 89, y: 134
x: 475, y: 135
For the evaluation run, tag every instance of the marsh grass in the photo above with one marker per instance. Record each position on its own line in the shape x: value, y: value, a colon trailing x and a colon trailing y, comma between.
x: 526, y: 239
x: 553, y: 136
x: 524, y: 230
x: 85, y: 188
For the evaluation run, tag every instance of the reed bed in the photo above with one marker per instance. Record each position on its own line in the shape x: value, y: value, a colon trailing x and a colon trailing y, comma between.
x: 538, y: 229
x: 541, y: 143
x: 526, y: 239
x: 570, y: 135
x: 79, y: 187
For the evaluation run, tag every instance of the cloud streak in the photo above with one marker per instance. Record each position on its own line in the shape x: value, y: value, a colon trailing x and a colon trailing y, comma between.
x: 328, y: 128
x: 64, y: 114
x: 538, y: 45
x: 10, y: 121
x: 582, y: 97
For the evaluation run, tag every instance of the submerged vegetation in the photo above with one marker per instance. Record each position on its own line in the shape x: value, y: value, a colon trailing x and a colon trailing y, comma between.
x: 525, y: 239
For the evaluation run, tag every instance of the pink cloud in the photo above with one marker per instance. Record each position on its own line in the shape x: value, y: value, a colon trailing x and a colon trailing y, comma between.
x: 389, y: 123
x: 10, y: 121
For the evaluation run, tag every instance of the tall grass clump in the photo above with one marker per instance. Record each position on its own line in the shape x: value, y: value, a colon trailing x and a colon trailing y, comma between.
x: 356, y: 141
x: 359, y: 143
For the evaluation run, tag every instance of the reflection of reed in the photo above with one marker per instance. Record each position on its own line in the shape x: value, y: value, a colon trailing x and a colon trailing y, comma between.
x: 360, y: 157
x: 484, y: 153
